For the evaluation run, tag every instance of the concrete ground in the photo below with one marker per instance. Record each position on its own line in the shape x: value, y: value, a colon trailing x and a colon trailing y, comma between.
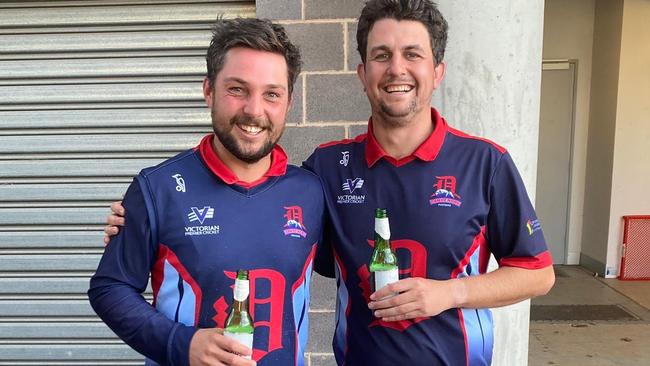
x: 592, y: 341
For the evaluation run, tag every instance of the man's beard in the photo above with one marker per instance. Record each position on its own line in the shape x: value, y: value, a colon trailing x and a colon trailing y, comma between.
x: 228, y: 140
x: 398, y: 118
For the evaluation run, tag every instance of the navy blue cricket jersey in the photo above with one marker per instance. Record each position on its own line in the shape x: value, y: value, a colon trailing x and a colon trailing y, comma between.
x: 453, y: 202
x: 192, y: 225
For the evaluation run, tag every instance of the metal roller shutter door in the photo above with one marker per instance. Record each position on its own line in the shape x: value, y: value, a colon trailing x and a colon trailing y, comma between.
x: 90, y: 93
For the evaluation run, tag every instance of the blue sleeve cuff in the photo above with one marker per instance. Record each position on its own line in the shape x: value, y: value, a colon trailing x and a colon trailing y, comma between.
x: 179, y: 345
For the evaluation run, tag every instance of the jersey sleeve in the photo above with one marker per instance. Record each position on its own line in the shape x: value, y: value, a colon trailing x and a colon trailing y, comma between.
x: 514, y: 233
x: 122, y: 275
x: 324, y: 260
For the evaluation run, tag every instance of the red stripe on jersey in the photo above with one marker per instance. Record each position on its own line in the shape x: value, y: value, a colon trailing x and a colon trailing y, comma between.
x: 294, y: 287
x: 479, y: 242
x: 301, y: 279
x: 157, y: 273
x: 462, y: 328
x: 541, y: 260
x: 344, y: 141
x: 464, y: 135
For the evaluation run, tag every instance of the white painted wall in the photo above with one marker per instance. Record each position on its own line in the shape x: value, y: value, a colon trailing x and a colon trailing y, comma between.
x: 492, y: 89
x: 602, y: 128
x: 631, y: 171
x: 568, y: 34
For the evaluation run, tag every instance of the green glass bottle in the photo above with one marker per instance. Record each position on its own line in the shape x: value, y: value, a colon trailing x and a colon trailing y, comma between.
x: 239, y: 325
x: 383, y: 264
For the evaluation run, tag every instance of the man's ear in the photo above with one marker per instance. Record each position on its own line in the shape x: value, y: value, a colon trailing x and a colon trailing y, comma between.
x: 439, y: 74
x: 361, y: 73
x: 207, y: 92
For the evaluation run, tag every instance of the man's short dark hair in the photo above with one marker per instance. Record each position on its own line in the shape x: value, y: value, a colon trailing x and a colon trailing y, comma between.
x: 256, y: 34
x: 422, y: 11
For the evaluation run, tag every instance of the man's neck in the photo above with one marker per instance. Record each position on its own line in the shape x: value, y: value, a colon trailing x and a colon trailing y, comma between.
x: 401, y: 140
x: 244, y: 171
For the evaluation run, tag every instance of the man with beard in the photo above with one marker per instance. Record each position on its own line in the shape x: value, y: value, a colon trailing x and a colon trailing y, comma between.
x: 228, y: 204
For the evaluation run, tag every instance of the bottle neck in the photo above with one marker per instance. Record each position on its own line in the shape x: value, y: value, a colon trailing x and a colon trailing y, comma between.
x: 382, y: 232
x: 240, y: 294
x: 240, y: 306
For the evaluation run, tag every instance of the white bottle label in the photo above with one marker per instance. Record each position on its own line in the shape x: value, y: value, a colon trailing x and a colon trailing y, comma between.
x: 244, y: 338
x: 241, y: 290
x: 382, y: 227
x: 383, y: 278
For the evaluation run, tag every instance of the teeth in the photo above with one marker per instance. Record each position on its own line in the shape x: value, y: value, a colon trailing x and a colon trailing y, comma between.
x: 251, y: 129
x: 398, y: 88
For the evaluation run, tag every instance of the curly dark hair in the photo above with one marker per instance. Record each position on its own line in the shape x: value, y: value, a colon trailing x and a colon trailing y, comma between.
x: 257, y: 34
x: 423, y: 11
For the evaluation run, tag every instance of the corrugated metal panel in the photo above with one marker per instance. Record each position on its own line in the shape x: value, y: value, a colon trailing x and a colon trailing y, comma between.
x: 90, y: 93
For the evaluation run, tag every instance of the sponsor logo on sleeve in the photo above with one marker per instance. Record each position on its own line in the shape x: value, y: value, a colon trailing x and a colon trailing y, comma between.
x: 533, y: 226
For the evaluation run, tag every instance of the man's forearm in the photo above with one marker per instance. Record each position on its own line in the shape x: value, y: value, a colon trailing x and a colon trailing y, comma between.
x: 501, y: 287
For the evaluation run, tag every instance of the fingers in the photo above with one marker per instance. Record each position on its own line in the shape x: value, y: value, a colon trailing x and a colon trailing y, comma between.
x: 411, y: 302
x: 391, y: 289
x: 234, y: 347
x: 393, y: 302
x: 115, y: 220
x: 109, y: 231
x: 398, y: 311
x: 117, y: 208
x: 211, y: 347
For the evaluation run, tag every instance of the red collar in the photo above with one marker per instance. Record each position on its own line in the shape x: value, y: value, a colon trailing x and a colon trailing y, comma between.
x: 278, y: 164
x: 427, y: 151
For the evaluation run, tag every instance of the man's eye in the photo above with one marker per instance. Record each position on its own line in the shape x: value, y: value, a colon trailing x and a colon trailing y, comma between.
x: 412, y: 55
x: 381, y: 57
x: 236, y: 90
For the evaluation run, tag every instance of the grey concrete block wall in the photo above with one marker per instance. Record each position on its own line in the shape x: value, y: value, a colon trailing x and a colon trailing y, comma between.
x: 278, y: 9
x: 337, y: 97
x: 321, y: 45
x: 299, y: 142
x: 337, y: 9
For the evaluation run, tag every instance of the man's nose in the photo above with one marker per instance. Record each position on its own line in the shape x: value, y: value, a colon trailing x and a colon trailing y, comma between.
x: 254, y: 106
x: 397, y: 65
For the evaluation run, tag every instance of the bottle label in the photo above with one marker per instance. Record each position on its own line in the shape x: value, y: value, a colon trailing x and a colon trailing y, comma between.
x: 244, y: 338
x: 382, y: 227
x: 383, y: 278
x: 241, y: 290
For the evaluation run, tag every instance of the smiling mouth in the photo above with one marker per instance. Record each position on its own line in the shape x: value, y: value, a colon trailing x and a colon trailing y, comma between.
x: 402, y: 88
x: 251, y: 130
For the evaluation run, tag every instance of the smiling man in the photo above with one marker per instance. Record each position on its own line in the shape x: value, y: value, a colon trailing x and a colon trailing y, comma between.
x: 189, y: 220
x: 453, y: 200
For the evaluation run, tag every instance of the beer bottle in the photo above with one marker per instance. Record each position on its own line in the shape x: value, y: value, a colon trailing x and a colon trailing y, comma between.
x: 383, y: 265
x: 239, y: 325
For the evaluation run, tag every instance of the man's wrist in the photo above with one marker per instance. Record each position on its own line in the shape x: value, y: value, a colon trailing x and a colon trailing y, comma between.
x: 459, y: 292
